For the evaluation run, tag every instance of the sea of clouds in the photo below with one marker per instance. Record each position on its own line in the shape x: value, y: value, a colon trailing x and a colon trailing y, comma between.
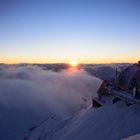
x: 28, y: 94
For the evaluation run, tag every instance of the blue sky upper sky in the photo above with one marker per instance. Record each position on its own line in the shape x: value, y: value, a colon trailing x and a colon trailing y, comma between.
x: 89, y: 31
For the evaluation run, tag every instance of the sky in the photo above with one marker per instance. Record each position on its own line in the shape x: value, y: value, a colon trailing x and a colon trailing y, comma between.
x: 58, y: 31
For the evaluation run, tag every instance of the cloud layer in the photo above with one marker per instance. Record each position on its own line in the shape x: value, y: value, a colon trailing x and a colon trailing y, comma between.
x: 28, y: 94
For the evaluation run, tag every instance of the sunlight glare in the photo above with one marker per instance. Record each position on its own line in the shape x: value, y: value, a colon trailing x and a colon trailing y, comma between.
x: 73, y: 63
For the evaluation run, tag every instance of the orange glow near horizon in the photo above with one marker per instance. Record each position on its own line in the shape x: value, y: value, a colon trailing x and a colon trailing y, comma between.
x: 73, y: 67
x: 73, y: 63
x: 81, y: 62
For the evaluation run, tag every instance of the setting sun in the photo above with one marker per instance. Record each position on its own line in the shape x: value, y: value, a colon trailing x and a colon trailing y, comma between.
x: 74, y: 63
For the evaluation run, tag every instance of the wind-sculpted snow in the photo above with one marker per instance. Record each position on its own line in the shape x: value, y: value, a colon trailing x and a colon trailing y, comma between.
x: 28, y: 95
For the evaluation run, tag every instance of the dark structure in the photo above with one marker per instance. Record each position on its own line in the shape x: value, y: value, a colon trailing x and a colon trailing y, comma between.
x: 126, y: 86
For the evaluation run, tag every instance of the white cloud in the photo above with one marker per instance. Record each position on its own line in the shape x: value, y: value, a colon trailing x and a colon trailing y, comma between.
x: 30, y: 92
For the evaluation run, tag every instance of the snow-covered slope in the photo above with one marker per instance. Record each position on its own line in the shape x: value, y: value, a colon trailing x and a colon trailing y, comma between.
x: 106, y: 123
x: 134, y: 137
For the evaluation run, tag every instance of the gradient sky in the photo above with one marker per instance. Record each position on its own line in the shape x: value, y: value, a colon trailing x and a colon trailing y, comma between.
x: 89, y: 31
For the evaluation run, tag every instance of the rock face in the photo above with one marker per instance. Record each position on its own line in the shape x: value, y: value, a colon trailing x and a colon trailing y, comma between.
x: 130, y: 78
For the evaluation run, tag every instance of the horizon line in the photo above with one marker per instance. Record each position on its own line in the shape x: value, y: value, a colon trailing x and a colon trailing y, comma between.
x: 67, y: 63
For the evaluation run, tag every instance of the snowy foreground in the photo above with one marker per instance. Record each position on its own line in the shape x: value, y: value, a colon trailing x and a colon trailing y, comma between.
x: 106, y: 123
x: 37, y: 104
